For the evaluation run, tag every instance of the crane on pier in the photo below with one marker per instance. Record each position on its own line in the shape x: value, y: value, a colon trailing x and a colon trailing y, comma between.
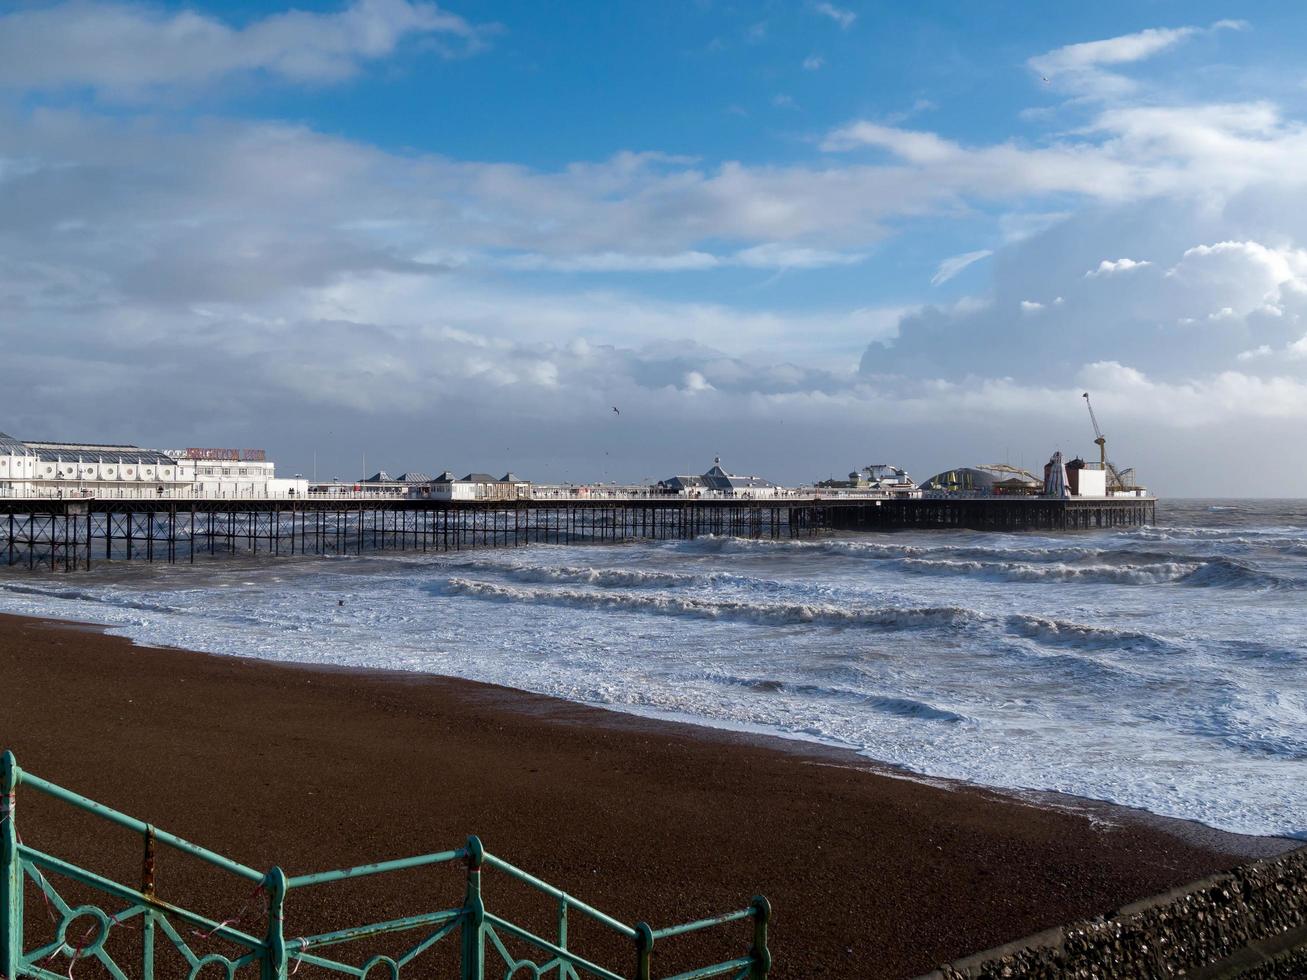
x: 1100, y: 440
x: 1115, y: 480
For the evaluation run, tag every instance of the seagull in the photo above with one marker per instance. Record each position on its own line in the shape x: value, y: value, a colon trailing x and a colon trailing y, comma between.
x: 615, y: 410
x: 1044, y: 79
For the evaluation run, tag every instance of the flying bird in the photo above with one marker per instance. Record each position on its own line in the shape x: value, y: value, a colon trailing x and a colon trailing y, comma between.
x: 1044, y: 79
x: 615, y: 410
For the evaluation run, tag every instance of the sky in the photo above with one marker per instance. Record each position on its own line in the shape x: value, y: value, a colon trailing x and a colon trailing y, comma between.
x: 611, y: 241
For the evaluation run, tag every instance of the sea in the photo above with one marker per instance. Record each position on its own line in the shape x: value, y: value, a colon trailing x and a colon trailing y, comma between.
x: 1162, y: 667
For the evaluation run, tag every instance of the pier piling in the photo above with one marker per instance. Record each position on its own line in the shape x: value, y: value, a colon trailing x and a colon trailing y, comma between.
x: 65, y: 535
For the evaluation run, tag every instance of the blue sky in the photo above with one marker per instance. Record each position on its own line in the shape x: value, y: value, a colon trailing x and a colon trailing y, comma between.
x: 806, y: 235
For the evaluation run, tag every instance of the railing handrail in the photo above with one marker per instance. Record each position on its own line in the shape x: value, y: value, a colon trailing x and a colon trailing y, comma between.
x: 476, y: 924
x: 140, y: 826
x: 558, y: 893
x: 380, y: 867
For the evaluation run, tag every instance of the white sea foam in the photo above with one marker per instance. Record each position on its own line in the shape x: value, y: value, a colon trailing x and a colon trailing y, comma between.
x: 765, y: 613
x: 1160, y: 667
x: 1152, y: 574
x: 617, y: 578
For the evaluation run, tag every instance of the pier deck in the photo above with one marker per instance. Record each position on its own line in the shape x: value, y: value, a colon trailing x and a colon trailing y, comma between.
x: 70, y: 534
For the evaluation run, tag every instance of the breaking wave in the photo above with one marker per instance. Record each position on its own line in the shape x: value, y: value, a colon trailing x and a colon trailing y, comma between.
x: 1154, y: 574
x: 114, y: 599
x: 873, y: 550
x: 901, y: 707
x: 1160, y: 667
x: 610, y: 577
x: 1227, y: 573
x: 1056, y: 632
x: 771, y: 614
x: 1230, y: 573
x: 1054, y: 564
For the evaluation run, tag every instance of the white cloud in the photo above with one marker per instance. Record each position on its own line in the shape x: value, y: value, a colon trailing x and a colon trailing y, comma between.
x: 814, y: 62
x: 775, y: 255
x: 951, y: 266
x: 783, y: 101
x: 694, y: 381
x: 394, y: 281
x: 1235, y: 279
x: 1234, y: 372
x: 770, y: 255
x: 1109, y: 267
x: 1234, y: 258
x: 845, y: 18
x: 1202, y: 401
x: 1079, y: 67
x: 613, y: 262
x: 1112, y: 51
x: 129, y: 49
x: 645, y: 204
x: 1124, y: 153
x: 912, y: 145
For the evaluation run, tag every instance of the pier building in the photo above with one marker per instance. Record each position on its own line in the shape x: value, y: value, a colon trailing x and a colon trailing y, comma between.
x: 77, y: 469
x: 67, y: 505
x: 411, y: 483
x: 875, y: 479
x: 986, y: 479
x: 81, y: 469
x: 478, y: 486
x: 718, y: 482
x: 234, y: 473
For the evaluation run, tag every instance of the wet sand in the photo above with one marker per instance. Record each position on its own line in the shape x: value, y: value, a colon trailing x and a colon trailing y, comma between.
x: 869, y: 874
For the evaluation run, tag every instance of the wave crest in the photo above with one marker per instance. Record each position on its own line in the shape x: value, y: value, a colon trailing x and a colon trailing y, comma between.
x: 1058, y: 632
x: 770, y: 614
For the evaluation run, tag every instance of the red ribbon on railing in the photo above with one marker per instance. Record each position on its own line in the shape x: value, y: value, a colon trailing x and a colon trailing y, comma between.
x: 75, y: 949
x: 234, y: 919
x: 40, y: 878
x: 299, y: 960
x: 8, y: 804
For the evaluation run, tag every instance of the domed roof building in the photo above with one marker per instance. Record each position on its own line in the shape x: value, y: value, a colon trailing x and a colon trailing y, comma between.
x: 996, y: 479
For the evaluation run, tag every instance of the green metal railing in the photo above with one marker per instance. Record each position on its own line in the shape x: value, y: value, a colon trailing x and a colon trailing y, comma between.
x: 81, y: 931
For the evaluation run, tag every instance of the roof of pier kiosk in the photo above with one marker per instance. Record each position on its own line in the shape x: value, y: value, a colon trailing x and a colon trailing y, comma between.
x: 9, y: 446
x: 97, y: 453
x: 719, y: 479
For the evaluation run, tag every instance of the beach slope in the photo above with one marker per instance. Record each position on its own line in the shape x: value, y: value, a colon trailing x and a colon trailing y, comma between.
x: 869, y: 875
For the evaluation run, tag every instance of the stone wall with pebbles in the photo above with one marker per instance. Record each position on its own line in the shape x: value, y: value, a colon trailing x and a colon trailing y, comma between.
x: 1249, y: 923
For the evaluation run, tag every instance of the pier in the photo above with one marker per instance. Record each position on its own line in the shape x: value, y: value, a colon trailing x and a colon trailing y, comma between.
x: 73, y: 534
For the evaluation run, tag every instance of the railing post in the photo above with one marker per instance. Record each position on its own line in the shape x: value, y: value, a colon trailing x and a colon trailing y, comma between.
x: 274, y: 959
x: 147, y: 920
x: 474, y: 914
x: 11, y: 872
x: 644, y: 941
x: 562, y: 924
x: 759, y: 952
